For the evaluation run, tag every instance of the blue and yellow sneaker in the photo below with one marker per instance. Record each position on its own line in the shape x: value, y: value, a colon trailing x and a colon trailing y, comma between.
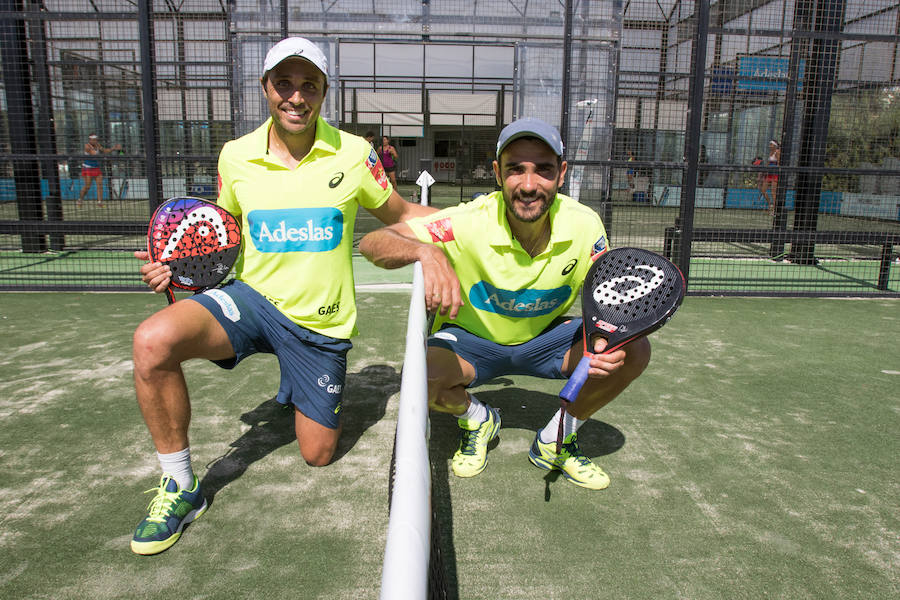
x: 575, y: 466
x: 170, y: 510
x: 471, y: 457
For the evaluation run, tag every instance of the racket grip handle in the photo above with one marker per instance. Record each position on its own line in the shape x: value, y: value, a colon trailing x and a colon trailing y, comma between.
x: 576, y: 380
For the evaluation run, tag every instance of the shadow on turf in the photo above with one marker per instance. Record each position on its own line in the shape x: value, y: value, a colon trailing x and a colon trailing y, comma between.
x: 530, y: 410
x: 272, y: 426
x: 519, y: 409
x: 522, y: 409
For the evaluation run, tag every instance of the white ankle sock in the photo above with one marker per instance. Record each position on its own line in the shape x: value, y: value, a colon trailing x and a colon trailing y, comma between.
x: 476, y: 412
x: 570, y: 425
x: 178, y: 465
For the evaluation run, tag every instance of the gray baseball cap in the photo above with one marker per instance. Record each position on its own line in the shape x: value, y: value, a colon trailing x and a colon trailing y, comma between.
x: 529, y: 127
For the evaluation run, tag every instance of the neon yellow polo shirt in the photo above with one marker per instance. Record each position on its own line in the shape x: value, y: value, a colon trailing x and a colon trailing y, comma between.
x: 297, y: 224
x: 511, y: 297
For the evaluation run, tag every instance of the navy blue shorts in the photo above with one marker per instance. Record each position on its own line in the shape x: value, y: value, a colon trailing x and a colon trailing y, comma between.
x: 313, y: 366
x: 541, y: 356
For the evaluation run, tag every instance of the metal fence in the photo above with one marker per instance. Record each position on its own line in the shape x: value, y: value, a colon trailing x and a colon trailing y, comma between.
x: 667, y: 109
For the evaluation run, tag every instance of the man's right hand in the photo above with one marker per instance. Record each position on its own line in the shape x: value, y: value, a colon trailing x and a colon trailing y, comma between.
x: 442, y: 289
x: 156, y: 275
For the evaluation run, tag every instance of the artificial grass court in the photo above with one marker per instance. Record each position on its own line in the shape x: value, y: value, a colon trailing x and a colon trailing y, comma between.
x: 66, y: 270
x: 105, y: 261
x: 756, y: 457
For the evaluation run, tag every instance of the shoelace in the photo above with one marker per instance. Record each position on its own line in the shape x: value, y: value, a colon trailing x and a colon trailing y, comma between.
x: 468, y: 441
x: 571, y: 450
x: 161, y: 504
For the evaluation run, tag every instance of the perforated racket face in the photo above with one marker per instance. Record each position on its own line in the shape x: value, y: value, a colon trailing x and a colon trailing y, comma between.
x: 630, y: 292
x: 197, y: 239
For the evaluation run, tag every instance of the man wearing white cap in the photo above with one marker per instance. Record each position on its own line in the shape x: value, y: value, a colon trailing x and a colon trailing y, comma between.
x: 295, y: 183
x: 519, y: 257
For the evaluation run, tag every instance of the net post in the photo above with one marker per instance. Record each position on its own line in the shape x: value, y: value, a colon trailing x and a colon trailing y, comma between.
x: 425, y: 181
x: 406, y: 556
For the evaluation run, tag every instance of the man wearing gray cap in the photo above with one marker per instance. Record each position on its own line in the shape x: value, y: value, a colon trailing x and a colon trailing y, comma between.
x: 501, y: 272
x: 296, y: 184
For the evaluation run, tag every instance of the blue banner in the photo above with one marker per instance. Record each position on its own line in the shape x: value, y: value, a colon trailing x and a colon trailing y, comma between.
x: 769, y: 73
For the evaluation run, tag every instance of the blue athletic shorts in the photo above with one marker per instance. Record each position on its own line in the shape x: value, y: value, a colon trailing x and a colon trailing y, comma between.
x: 313, y: 366
x: 541, y: 356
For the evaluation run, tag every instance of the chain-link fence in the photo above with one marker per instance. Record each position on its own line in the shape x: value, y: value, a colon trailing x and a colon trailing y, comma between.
x: 667, y: 109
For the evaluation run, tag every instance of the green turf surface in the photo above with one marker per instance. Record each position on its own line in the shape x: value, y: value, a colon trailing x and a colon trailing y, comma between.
x: 105, y: 262
x: 835, y: 276
x: 756, y: 457
x: 119, y: 270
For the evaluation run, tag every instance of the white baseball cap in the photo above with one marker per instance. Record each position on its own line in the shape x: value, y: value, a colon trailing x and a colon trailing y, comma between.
x: 295, y: 47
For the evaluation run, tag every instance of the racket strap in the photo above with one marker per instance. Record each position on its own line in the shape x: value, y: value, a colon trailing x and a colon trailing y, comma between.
x: 559, y: 430
x: 563, y: 405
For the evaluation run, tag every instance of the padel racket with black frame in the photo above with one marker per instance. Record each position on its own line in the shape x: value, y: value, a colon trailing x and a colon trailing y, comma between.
x: 198, y: 239
x: 627, y: 293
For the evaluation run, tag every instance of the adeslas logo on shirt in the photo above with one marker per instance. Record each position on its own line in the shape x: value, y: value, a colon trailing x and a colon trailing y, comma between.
x: 296, y: 229
x: 518, y: 303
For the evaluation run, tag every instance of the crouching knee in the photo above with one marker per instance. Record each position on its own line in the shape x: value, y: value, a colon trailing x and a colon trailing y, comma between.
x: 317, y: 443
x: 317, y: 458
x: 151, y: 347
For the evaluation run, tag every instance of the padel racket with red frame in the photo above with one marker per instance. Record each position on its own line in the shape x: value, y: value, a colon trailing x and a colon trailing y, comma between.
x: 198, y: 239
x: 627, y: 293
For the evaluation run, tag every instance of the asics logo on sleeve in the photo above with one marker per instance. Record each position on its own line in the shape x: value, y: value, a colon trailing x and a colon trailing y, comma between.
x: 296, y: 229
x: 517, y: 303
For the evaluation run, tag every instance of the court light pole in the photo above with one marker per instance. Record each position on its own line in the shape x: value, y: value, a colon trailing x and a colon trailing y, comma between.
x: 576, y: 173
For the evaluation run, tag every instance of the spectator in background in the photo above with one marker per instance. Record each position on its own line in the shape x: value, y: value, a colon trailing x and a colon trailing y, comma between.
x: 90, y: 168
x: 768, y: 182
x: 388, y: 155
x: 629, y: 173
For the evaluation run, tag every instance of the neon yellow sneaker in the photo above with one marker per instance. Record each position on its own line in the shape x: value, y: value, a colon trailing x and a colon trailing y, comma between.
x: 170, y: 510
x: 471, y: 457
x: 575, y: 466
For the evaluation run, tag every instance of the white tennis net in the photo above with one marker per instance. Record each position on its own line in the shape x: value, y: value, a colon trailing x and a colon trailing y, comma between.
x: 405, y: 574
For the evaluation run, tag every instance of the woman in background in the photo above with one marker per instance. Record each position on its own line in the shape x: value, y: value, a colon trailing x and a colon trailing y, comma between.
x: 388, y: 156
x: 769, y: 181
x: 90, y: 168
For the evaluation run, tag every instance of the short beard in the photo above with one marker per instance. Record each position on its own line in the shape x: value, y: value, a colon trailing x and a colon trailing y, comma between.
x: 545, y: 207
